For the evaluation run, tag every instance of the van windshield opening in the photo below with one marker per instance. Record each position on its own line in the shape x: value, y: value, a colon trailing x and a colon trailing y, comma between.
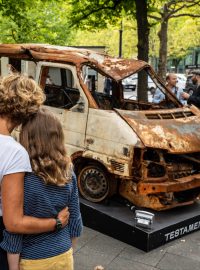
x: 126, y: 94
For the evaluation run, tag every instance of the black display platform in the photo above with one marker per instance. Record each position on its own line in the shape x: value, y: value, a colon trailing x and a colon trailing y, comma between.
x: 118, y: 221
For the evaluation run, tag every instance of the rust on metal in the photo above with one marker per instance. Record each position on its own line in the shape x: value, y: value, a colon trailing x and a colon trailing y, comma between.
x: 177, y: 137
x: 149, y: 152
x: 180, y: 184
x: 118, y: 69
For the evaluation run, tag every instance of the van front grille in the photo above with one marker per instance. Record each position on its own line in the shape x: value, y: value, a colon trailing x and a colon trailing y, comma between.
x: 174, y: 115
x: 117, y: 165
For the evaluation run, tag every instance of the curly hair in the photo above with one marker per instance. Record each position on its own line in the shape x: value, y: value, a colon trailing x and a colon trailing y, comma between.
x: 20, y: 97
x: 43, y: 138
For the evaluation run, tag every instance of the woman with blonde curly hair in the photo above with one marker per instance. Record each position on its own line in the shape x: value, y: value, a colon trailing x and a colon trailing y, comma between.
x: 51, y: 186
x: 20, y: 99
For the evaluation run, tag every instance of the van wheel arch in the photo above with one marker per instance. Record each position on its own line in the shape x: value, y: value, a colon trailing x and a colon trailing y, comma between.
x: 95, y: 183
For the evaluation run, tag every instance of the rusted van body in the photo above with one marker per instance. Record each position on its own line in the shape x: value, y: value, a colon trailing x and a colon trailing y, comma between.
x: 148, y: 153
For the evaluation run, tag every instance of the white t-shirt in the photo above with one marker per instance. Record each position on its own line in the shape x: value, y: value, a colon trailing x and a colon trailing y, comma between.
x: 13, y: 158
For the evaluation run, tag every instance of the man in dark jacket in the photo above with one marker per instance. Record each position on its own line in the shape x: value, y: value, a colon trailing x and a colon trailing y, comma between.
x: 195, y: 97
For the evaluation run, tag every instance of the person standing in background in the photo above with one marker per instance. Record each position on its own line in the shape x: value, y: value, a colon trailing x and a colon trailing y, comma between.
x: 195, y: 97
x: 171, y: 81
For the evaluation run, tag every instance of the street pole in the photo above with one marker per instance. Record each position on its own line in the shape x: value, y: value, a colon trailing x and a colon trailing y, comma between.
x: 120, y: 40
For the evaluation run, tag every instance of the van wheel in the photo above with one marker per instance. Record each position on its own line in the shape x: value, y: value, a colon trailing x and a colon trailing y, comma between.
x: 93, y: 183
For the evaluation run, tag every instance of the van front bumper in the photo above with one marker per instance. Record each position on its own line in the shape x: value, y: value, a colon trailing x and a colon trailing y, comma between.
x: 180, y: 184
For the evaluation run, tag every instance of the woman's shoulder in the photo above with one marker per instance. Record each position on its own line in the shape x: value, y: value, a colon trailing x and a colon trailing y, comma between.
x: 12, y: 149
x: 20, y: 151
x: 9, y: 143
x: 15, y: 157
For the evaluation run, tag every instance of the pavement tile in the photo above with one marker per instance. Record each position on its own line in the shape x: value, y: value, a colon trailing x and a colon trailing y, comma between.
x: 95, y: 248
x: 99, y: 250
x: 87, y: 235
x: 88, y: 259
x: 124, y: 264
x: 176, y: 262
x: 187, y: 248
x: 136, y: 255
x: 194, y: 237
x: 104, y: 244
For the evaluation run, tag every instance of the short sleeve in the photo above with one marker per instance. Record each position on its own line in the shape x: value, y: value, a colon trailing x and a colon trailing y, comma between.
x: 19, y: 162
x: 12, y: 243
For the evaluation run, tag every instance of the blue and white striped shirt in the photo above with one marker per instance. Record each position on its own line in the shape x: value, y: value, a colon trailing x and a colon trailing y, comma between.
x: 45, y: 201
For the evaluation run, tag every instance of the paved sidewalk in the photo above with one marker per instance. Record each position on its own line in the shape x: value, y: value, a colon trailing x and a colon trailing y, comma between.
x: 95, y: 248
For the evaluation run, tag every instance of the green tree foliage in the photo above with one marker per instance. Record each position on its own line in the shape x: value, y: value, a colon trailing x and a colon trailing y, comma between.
x: 165, y: 11
x: 98, y: 23
x: 40, y: 21
x: 109, y: 38
x: 89, y: 14
x: 95, y: 14
x: 185, y: 36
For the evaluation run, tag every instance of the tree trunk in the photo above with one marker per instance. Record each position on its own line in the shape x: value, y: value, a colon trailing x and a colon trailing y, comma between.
x: 143, y: 45
x: 176, y: 63
x: 162, y: 34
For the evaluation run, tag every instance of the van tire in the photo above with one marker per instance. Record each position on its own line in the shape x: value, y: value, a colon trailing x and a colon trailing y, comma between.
x: 93, y: 183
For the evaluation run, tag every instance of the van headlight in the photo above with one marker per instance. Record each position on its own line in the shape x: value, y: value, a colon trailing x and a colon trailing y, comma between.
x: 155, y: 170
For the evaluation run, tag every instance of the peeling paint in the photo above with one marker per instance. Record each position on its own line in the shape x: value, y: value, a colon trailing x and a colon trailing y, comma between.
x: 151, y: 153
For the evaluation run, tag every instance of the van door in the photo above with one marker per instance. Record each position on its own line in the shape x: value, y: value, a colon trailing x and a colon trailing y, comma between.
x: 65, y: 97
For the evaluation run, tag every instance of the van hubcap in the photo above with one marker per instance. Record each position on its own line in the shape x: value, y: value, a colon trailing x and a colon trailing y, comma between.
x: 93, y: 183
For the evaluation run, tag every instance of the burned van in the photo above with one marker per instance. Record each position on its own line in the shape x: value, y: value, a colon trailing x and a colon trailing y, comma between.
x: 120, y: 141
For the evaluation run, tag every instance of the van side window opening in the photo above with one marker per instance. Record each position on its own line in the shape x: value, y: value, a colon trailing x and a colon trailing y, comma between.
x: 153, y: 88
x: 104, y: 90
x: 59, y: 87
x: 110, y: 94
x: 131, y: 88
x: 14, y: 65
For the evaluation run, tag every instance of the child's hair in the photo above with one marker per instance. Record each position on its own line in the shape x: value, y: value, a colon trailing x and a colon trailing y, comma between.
x: 43, y: 138
x: 20, y: 97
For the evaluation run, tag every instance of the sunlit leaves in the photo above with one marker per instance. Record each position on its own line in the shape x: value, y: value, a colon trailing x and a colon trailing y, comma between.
x: 35, y: 21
